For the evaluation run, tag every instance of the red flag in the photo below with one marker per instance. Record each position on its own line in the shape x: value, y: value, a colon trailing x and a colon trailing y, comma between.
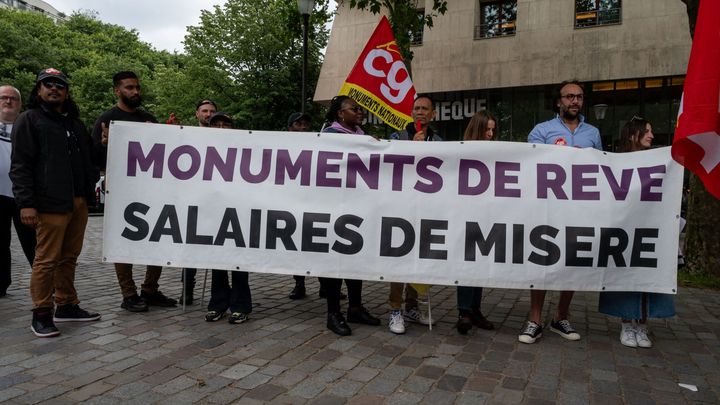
x: 697, y: 136
x: 379, y: 80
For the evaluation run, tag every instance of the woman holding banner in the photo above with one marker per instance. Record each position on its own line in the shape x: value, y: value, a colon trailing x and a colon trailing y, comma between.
x: 482, y: 127
x: 345, y: 117
x: 634, y: 308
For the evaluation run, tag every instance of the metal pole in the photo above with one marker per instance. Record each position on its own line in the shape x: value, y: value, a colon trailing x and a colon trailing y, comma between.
x: 306, y: 21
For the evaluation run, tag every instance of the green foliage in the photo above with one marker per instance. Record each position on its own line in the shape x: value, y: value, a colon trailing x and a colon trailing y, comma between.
x: 245, y: 55
x: 709, y: 280
x: 403, y: 17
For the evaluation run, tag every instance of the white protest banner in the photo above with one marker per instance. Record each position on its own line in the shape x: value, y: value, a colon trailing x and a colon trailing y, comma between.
x: 493, y: 214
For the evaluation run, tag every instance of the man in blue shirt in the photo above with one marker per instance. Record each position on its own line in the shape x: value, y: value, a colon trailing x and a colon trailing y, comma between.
x: 568, y: 128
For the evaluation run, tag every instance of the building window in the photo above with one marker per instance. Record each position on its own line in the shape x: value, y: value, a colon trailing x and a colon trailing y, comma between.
x: 591, y: 13
x: 497, y: 19
x: 416, y: 37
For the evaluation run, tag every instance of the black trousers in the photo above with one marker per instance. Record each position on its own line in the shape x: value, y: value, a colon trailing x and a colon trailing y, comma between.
x: 332, y: 289
x: 222, y: 296
x: 9, y: 213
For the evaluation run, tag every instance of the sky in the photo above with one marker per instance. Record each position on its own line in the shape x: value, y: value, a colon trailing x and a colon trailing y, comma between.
x: 161, y: 23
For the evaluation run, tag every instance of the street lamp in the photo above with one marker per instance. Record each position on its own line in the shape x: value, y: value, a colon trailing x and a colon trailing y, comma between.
x: 306, y: 8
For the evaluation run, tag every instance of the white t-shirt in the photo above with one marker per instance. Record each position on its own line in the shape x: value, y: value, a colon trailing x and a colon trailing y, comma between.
x: 5, y: 150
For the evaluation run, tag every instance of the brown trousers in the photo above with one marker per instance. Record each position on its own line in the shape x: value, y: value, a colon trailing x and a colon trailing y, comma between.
x: 127, y: 284
x: 59, y: 242
x: 396, y: 296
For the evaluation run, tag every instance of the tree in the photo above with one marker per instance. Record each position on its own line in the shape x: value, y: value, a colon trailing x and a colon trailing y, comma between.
x: 248, y: 55
x: 404, y: 18
x: 702, y: 239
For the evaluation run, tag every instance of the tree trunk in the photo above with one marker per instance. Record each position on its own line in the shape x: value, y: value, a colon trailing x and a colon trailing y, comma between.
x: 702, y: 235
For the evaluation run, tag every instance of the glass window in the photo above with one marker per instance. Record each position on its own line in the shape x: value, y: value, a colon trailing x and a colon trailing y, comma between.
x: 591, y: 13
x: 497, y: 19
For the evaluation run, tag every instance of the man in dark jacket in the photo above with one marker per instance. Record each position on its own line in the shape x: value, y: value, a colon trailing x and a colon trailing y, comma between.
x: 53, y: 181
x: 127, y: 90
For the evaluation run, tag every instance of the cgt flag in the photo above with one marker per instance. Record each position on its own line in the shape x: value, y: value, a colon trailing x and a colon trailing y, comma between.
x: 379, y: 80
x: 697, y: 141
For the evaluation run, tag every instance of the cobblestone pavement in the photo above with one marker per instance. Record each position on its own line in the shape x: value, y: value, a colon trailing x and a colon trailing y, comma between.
x: 284, y: 354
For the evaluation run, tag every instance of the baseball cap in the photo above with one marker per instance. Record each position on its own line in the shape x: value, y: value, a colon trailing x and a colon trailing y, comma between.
x: 51, y: 73
x: 220, y: 116
x: 297, y: 116
x: 205, y: 101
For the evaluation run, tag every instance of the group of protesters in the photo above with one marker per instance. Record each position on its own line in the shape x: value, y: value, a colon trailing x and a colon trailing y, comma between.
x: 50, y: 165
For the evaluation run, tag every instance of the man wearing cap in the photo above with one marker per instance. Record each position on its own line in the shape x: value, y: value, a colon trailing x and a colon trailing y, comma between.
x: 127, y: 90
x: 10, y: 102
x: 53, y: 180
x: 204, y: 110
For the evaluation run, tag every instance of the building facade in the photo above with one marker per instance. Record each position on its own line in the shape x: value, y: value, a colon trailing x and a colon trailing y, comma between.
x: 507, y: 56
x: 36, y: 6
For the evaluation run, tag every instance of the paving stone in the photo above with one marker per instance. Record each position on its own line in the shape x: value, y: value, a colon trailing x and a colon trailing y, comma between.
x: 418, y: 384
x: 438, y: 397
x: 363, y: 374
x: 95, y: 389
x: 308, y: 388
x: 346, y: 388
x: 238, y: 371
x: 265, y: 392
x: 431, y: 372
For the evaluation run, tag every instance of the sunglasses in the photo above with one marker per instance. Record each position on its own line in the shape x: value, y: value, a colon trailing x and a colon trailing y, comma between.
x: 50, y: 84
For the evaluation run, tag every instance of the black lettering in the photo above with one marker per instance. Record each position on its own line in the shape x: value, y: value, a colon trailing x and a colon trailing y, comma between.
x: 309, y: 231
x: 474, y: 238
x: 167, y: 215
x: 274, y: 232
x: 639, y: 247
x: 427, y: 239
x: 573, y: 246
x: 518, y: 243
x: 133, y: 220
x: 192, y: 238
x: 538, y: 241
x: 607, y: 249
x: 386, y: 231
x: 350, y: 235
x: 230, y: 229
x: 255, y: 219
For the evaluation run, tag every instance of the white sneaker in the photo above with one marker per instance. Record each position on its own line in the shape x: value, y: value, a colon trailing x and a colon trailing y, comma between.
x: 641, y: 336
x: 417, y: 316
x: 397, y: 323
x: 627, y: 335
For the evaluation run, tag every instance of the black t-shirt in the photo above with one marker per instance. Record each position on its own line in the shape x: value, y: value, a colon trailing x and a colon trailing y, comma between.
x: 116, y: 114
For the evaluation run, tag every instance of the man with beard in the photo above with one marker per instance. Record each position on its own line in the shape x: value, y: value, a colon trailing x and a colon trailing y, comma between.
x: 10, y: 102
x: 127, y: 90
x: 53, y: 180
x: 204, y: 111
x: 568, y: 128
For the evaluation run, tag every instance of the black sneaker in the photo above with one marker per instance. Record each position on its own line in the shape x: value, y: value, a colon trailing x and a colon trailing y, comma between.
x: 530, y: 333
x: 464, y: 324
x: 134, y: 304
x: 336, y: 323
x: 479, y: 320
x: 563, y: 328
x: 298, y: 292
x: 158, y: 299
x: 214, y: 316
x: 73, y: 313
x: 361, y: 315
x: 42, y: 323
x: 238, y: 317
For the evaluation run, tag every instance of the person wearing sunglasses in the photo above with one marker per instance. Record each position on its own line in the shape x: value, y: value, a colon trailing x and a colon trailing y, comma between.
x: 345, y: 117
x: 10, y: 102
x: 568, y: 128
x: 53, y: 178
x: 634, y: 308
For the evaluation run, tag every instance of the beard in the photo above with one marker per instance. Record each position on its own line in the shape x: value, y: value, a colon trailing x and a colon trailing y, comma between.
x: 569, y: 115
x: 134, y: 102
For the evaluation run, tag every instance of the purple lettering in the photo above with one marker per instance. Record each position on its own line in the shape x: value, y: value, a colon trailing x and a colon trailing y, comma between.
x: 154, y: 158
x: 398, y: 161
x: 579, y: 182
x: 619, y: 190
x: 224, y: 167
x: 264, y: 172
x: 647, y: 182
x: 435, y: 179
x: 502, y: 179
x: 464, y: 177
x: 301, y: 166
x: 555, y: 184
x: 175, y: 157
x: 370, y: 174
x: 324, y: 168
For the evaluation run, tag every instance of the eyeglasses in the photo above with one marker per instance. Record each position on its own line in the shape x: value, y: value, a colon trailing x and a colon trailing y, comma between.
x: 58, y: 85
x: 357, y: 109
x: 573, y: 97
x: 11, y: 99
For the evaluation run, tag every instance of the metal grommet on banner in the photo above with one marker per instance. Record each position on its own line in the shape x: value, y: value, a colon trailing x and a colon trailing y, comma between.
x: 168, y: 263
x: 673, y: 290
x: 307, y: 272
x: 456, y: 281
x: 382, y: 278
x: 605, y: 153
x: 603, y: 288
x: 532, y: 285
x: 318, y: 135
x: 182, y: 127
x: 104, y: 259
x: 677, y: 216
x: 249, y: 132
x: 237, y: 267
x: 534, y: 146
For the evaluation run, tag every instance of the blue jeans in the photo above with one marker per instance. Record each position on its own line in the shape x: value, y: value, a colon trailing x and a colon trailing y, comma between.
x: 468, y: 299
x: 628, y: 305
